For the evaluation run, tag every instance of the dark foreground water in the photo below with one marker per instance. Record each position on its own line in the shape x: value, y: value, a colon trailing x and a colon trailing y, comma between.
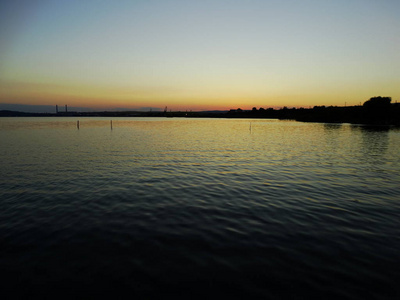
x: 186, y: 208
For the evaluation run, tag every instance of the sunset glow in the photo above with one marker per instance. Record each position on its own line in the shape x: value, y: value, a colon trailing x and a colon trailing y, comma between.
x: 198, y: 55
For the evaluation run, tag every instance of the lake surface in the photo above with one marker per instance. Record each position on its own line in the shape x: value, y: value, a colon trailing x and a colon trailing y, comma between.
x: 199, y: 208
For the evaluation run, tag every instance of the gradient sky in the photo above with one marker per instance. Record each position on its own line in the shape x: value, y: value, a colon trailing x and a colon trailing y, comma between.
x: 198, y: 54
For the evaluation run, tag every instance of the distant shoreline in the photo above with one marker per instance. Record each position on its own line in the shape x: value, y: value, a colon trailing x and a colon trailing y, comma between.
x: 387, y: 115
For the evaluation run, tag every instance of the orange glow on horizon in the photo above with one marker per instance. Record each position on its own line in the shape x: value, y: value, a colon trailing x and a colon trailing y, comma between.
x: 147, y: 55
x: 113, y: 97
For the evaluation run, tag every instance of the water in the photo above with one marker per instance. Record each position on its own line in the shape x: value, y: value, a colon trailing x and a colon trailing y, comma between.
x: 199, y: 208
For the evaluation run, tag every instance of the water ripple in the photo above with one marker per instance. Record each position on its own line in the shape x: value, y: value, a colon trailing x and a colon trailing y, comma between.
x: 200, y: 207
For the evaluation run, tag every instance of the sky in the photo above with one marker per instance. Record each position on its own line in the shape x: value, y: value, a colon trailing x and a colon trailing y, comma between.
x: 198, y: 55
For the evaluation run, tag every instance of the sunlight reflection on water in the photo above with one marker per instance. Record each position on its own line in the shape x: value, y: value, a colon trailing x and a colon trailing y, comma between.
x: 280, y: 208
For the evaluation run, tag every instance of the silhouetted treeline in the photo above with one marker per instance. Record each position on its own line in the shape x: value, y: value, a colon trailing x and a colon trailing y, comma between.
x: 375, y: 111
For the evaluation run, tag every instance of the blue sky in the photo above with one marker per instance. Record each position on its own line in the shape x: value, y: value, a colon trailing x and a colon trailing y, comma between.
x: 198, y: 54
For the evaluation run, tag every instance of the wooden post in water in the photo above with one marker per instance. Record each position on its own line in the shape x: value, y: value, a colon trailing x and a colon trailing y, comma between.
x: 111, y: 124
x: 77, y: 124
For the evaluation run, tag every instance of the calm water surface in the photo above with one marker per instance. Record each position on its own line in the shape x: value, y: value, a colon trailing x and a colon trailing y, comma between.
x: 160, y: 207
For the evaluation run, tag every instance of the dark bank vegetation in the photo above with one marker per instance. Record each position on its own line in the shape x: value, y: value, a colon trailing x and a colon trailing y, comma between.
x: 375, y: 111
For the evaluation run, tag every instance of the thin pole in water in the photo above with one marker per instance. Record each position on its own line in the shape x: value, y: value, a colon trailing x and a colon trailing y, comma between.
x: 77, y: 124
x: 111, y: 124
x: 250, y: 126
